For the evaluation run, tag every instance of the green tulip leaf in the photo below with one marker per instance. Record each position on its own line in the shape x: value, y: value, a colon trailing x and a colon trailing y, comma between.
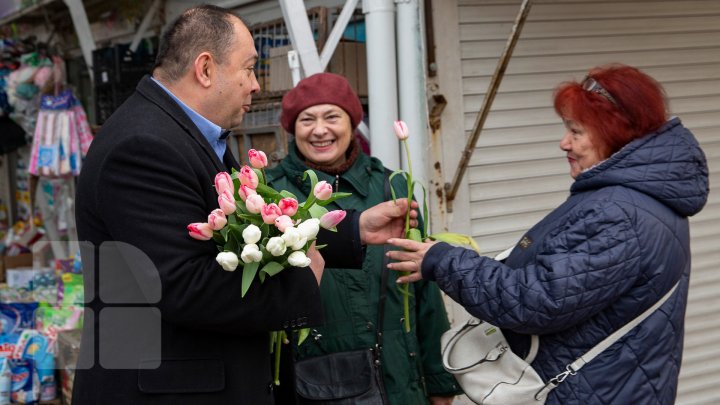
x: 302, y: 335
x: 272, y: 268
x: 414, y: 234
x: 249, y: 271
x: 317, y: 211
x: 334, y: 197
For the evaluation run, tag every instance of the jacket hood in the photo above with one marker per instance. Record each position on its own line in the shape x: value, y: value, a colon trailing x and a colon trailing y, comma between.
x: 667, y: 165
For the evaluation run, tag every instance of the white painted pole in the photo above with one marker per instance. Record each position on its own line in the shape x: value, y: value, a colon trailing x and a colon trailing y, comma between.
x: 411, y: 88
x: 82, y: 29
x: 144, y: 25
x: 382, y: 80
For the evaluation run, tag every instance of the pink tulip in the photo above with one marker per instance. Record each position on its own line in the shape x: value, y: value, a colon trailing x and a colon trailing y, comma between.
x: 223, y: 182
x: 254, y: 203
x: 323, y: 190
x: 283, y: 222
x: 332, y: 219
x: 200, y: 231
x: 245, y: 191
x: 226, y: 202
x: 248, y: 177
x: 217, y: 219
x: 270, y: 212
x: 288, y: 206
x: 258, y: 159
x: 401, y: 130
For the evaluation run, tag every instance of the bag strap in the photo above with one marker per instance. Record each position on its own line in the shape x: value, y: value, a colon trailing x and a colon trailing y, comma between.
x: 383, y: 284
x: 572, y: 368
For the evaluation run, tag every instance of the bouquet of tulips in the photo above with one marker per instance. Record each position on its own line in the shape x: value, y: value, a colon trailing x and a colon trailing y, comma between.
x: 262, y: 230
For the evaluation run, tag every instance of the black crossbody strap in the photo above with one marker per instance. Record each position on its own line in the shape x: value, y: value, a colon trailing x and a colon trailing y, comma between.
x: 383, y: 282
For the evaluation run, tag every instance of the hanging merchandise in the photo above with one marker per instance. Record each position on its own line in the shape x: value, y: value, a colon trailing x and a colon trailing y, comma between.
x: 62, y: 137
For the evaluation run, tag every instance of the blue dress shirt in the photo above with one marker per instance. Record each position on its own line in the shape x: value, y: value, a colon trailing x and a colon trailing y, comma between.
x: 214, y: 134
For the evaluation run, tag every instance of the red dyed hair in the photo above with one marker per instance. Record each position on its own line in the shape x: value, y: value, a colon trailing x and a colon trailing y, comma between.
x: 641, y: 106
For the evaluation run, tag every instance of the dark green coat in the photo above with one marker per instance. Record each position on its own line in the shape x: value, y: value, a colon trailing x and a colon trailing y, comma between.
x: 412, y: 365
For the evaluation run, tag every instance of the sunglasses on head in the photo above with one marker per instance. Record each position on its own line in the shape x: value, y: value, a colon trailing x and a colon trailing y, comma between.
x: 593, y: 86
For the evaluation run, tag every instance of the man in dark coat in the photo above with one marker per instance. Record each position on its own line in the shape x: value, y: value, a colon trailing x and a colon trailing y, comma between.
x: 163, y: 323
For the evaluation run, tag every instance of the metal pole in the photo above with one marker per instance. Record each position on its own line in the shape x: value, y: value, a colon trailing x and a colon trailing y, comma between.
x: 144, y: 25
x: 452, y: 187
x: 382, y: 80
x: 411, y: 87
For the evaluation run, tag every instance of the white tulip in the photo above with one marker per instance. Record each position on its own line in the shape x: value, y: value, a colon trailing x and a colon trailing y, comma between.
x: 251, y: 253
x: 309, y: 228
x: 291, y: 236
x: 276, y: 246
x: 251, y: 234
x: 298, y: 259
x: 228, y: 260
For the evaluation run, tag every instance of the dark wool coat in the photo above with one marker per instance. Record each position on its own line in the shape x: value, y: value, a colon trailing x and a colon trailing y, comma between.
x: 164, y: 323
x: 613, y: 249
x: 412, y: 366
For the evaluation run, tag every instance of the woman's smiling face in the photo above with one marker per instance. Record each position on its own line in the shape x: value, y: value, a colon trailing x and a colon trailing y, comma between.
x: 581, y: 152
x: 323, y: 134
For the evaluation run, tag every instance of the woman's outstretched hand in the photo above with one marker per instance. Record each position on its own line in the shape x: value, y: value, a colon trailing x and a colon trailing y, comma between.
x: 409, y: 259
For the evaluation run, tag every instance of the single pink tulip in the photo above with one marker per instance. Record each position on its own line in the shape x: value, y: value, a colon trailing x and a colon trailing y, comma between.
x: 200, y: 231
x: 245, y: 191
x: 258, y: 159
x: 226, y: 202
x: 323, y: 190
x: 217, y: 219
x: 401, y: 130
x: 254, y: 203
x: 283, y: 222
x: 288, y: 206
x: 223, y: 182
x: 332, y: 219
x: 270, y: 212
x: 248, y: 177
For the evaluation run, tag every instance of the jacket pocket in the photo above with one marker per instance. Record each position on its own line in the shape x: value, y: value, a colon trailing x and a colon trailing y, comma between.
x: 181, y: 376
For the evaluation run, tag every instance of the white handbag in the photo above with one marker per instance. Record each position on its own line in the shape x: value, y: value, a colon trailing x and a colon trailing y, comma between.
x: 479, y: 356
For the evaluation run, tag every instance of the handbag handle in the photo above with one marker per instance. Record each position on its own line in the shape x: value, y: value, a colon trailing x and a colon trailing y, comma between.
x: 493, y: 355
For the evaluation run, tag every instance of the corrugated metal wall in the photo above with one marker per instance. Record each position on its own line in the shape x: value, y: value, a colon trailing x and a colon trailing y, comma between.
x: 518, y: 173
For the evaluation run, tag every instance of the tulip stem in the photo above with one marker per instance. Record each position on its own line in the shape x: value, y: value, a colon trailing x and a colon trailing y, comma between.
x: 278, y: 346
x: 406, y: 287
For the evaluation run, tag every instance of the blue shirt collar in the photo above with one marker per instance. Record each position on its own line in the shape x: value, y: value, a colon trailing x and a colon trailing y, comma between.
x: 215, y: 135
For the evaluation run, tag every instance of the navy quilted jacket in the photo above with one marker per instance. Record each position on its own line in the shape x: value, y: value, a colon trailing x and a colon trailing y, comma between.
x: 610, y: 251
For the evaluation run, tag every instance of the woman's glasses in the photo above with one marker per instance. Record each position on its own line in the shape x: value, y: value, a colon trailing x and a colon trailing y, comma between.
x: 592, y: 85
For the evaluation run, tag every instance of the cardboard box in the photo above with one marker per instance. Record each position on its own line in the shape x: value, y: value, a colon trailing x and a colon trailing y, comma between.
x: 349, y: 60
x: 23, y: 260
x: 280, y: 78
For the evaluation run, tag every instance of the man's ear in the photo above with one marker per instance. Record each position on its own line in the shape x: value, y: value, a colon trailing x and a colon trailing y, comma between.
x: 204, y: 66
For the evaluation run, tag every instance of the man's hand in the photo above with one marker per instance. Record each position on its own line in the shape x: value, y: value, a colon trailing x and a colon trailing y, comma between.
x: 386, y: 220
x: 317, y: 263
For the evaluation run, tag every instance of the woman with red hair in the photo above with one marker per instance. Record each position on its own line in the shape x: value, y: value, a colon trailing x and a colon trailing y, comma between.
x: 612, y: 250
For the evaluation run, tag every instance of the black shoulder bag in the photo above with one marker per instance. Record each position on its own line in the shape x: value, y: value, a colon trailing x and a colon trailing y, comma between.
x: 347, y: 378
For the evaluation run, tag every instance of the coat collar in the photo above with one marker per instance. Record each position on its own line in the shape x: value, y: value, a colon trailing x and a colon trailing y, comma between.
x: 151, y: 91
x: 357, y: 176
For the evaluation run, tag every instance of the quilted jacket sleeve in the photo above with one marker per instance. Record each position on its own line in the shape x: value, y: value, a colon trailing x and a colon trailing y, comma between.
x: 581, y: 264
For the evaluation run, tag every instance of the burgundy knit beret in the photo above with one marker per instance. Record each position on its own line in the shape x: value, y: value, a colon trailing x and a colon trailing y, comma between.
x: 320, y: 88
